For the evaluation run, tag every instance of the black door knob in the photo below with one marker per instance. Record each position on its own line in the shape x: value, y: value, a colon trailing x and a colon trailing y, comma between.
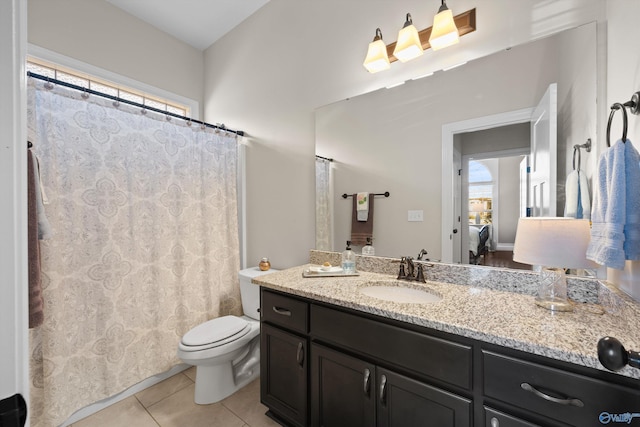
x: 614, y: 356
x: 455, y: 231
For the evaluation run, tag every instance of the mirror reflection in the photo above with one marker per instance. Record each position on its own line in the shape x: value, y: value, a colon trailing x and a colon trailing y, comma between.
x: 396, y: 140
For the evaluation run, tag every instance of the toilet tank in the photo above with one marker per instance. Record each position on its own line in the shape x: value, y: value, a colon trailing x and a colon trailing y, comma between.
x: 249, y: 292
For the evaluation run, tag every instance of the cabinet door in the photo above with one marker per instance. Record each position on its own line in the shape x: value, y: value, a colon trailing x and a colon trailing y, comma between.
x: 405, y: 402
x: 283, y: 374
x: 342, y: 389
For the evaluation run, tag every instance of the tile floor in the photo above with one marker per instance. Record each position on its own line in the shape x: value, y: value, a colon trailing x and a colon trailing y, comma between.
x: 170, y: 404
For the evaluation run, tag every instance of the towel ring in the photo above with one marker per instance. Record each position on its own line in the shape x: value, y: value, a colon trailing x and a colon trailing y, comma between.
x: 576, y: 148
x: 614, y: 108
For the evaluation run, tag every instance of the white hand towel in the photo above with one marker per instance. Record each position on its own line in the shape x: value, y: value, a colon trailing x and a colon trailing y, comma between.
x: 584, y: 208
x: 609, y: 209
x: 362, y: 206
x: 571, y: 190
x: 632, y: 203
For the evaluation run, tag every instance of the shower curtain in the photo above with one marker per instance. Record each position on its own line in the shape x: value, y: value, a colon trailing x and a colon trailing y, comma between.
x: 323, y: 205
x: 145, y: 245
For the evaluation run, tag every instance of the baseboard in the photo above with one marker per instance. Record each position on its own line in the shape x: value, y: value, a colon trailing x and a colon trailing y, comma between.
x: 504, y: 247
x: 104, y: 403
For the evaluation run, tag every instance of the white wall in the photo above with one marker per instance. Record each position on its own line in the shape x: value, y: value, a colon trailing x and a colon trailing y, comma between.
x: 509, y: 207
x: 269, y: 75
x: 98, y: 33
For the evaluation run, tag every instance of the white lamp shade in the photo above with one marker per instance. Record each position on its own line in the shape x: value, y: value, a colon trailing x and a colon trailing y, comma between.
x: 553, y: 242
x: 476, y: 206
x: 444, y: 31
x: 408, y: 45
x: 377, y: 58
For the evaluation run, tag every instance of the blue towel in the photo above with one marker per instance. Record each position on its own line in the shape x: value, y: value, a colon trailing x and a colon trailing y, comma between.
x: 632, y: 223
x: 608, y: 215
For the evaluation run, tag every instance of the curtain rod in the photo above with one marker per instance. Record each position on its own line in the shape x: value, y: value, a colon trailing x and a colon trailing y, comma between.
x: 126, y: 101
x: 324, y: 158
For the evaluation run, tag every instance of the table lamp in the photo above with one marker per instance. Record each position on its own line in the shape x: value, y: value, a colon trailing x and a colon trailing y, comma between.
x: 477, y: 207
x: 553, y: 244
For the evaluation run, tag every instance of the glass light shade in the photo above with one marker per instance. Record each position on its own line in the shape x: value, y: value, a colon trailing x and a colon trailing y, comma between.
x: 554, y: 244
x: 377, y: 58
x: 408, y: 45
x: 444, y: 31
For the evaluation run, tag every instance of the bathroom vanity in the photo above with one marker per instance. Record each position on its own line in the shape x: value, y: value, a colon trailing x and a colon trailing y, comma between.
x: 331, y: 355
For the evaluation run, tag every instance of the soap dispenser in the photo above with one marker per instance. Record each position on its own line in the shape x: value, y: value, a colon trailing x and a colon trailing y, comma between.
x: 368, y: 249
x: 348, y: 259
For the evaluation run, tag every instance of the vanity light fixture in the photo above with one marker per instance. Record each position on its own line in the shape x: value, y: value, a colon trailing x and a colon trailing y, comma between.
x: 553, y: 244
x: 408, y: 45
x: 377, y: 58
x: 444, y: 31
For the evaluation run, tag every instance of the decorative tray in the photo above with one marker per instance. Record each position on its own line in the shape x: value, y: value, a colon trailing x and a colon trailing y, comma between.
x: 320, y: 271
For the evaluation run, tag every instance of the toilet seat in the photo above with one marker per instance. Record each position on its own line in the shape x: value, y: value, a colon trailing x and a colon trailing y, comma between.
x: 215, y: 333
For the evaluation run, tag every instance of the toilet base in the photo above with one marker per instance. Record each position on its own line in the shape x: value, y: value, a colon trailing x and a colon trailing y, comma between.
x: 214, y: 383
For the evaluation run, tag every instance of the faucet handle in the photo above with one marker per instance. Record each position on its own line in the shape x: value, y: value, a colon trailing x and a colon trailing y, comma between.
x: 401, y: 273
x: 420, y: 274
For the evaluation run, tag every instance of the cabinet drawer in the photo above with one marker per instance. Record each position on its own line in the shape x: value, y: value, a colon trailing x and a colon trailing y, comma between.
x: 434, y: 357
x: 284, y: 311
x: 574, y: 399
x: 493, y: 418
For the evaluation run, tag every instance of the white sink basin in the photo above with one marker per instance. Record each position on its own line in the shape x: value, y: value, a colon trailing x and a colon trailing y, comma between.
x: 400, y: 294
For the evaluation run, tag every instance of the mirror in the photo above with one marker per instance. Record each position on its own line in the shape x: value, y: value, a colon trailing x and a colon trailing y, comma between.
x: 392, y: 139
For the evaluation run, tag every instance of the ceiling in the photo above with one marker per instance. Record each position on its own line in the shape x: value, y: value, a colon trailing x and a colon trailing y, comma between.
x: 198, y: 23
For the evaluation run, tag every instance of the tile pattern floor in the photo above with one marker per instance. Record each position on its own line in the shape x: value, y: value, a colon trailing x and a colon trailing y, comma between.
x: 170, y: 404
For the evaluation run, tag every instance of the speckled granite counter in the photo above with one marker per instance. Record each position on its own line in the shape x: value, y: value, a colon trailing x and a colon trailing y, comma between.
x: 493, y: 314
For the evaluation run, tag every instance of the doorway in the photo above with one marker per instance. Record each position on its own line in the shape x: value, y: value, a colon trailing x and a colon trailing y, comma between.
x: 451, y: 132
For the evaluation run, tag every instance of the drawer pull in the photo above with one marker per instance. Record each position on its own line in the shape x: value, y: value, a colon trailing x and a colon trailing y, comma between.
x: 495, y: 422
x: 383, y: 390
x: 568, y: 402
x: 300, y: 354
x: 282, y: 311
x: 367, y: 375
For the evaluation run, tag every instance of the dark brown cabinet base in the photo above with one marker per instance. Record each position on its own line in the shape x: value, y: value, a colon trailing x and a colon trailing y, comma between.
x: 327, y: 366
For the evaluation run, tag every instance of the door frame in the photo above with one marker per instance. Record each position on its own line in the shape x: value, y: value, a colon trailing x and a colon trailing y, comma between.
x: 14, y: 357
x: 449, y: 130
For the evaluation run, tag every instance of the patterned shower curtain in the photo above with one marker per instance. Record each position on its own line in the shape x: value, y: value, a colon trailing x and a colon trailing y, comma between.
x: 145, y: 245
x: 323, y: 205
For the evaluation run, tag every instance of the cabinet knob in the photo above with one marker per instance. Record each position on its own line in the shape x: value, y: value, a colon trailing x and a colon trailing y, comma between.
x: 495, y: 422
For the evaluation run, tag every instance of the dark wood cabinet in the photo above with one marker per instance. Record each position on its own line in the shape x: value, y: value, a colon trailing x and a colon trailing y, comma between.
x: 403, y: 401
x: 327, y: 366
x: 347, y: 391
x: 343, y: 389
x: 284, y: 358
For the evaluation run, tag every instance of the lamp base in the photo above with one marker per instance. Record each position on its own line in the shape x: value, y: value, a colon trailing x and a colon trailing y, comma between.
x: 555, y: 304
x: 552, y: 290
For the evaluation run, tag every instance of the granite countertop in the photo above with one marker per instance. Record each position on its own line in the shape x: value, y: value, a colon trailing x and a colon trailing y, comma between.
x: 496, y: 316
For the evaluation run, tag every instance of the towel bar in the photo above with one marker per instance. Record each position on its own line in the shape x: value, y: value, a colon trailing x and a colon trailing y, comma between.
x: 385, y: 194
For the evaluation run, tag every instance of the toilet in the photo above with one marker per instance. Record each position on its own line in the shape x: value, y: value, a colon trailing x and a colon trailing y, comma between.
x: 226, y: 350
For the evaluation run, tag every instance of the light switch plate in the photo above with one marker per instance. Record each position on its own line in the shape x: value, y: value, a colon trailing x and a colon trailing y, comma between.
x: 415, y: 216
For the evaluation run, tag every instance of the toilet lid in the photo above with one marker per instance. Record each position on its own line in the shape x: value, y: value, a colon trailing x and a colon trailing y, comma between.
x: 215, y: 330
